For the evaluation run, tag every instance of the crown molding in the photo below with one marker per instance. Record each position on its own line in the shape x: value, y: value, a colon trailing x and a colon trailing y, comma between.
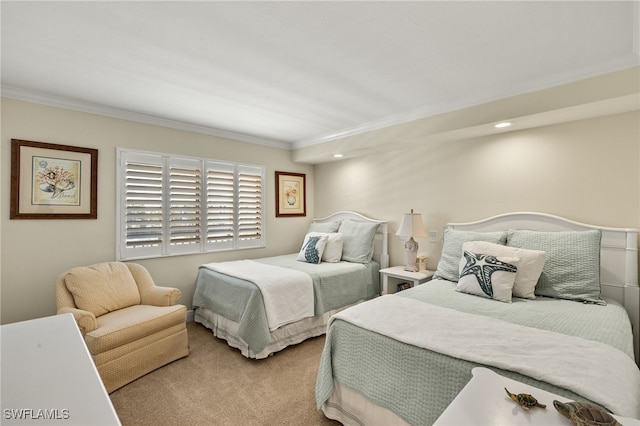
x: 91, y: 108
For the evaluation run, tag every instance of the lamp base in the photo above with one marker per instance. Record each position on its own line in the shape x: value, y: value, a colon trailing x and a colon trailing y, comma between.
x: 411, y: 248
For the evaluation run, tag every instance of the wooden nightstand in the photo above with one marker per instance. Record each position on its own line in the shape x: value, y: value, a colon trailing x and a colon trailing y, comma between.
x: 391, y: 277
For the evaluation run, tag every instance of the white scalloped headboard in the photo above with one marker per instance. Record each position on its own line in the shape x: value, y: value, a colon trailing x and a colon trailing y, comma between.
x: 618, y: 255
x: 380, y: 243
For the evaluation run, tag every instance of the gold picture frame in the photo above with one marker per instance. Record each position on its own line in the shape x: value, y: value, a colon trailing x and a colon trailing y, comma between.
x: 51, y: 181
x: 291, y: 194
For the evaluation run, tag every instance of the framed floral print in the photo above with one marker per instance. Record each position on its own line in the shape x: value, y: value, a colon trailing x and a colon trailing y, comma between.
x: 51, y: 181
x: 291, y: 194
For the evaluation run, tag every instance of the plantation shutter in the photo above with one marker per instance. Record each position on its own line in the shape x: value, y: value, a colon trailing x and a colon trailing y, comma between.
x: 142, y: 224
x: 184, y: 205
x: 220, y: 205
x: 250, y: 215
x: 170, y: 205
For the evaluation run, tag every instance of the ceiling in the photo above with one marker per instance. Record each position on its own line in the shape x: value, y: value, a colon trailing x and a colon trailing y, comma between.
x: 298, y: 73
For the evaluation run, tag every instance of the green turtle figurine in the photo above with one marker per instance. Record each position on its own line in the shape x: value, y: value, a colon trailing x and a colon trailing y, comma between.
x: 525, y: 400
x: 585, y: 414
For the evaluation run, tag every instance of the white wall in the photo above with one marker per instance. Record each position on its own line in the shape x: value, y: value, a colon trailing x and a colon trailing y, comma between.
x: 585, y: 170
x: 34, y: 252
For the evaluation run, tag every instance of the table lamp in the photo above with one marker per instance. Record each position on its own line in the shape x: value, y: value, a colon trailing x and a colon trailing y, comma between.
x: 410, y: 227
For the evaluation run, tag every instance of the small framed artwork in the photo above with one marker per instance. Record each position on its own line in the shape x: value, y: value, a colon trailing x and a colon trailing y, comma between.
x: 50, y: 181
x: 291, y: 194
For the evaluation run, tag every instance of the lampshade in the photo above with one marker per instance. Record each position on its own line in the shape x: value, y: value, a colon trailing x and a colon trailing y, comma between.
x: 411, y: 226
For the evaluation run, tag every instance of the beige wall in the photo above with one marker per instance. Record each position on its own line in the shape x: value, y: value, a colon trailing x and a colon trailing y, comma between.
x: 585, y: 170
x: 34, y: 252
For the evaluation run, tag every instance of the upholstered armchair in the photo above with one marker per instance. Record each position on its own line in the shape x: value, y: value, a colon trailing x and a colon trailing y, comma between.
x: 130, y: 325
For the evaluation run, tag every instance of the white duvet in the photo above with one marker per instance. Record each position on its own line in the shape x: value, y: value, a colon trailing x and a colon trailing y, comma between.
x: 594, y: 370
x: 287, y: 294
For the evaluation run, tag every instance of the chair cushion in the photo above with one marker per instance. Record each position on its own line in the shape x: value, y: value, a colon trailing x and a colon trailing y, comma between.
x: 126, y: 325
x: 103, y: 287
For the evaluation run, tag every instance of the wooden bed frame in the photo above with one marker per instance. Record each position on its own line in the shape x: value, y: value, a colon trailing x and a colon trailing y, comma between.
x: 618, y: 255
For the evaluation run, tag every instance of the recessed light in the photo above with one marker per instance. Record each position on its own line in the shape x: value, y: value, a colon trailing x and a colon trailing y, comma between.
x: 337, y: 155
x: 502, y: 124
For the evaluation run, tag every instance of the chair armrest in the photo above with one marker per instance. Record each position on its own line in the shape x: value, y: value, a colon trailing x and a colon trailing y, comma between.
x: 86, y: 320
x: 159, y: 296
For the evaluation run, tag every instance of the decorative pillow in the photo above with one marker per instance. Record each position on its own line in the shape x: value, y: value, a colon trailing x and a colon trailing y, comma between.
x: 312, y: 248
x: 333, y: 250
x: 357, y: 240
x: 572, y: 268
x: 487, y: 276
x: 103, y: 287
x: 452, y: 250
x: 529, y: 268
x: 324, y: 227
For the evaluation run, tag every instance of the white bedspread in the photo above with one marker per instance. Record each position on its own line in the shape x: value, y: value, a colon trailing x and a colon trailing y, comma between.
x: 287, y: 294
x: 594, y: 370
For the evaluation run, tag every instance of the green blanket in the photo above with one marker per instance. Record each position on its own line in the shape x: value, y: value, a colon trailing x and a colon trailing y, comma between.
x: 418, y: 384
x: 335, y: 285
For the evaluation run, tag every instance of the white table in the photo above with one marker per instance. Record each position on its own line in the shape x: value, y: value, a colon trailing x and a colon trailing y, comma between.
x: 48, y: 376
x: 483, y: 401
x: 391, y: 277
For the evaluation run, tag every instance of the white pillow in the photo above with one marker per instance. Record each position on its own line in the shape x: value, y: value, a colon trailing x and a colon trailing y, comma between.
x: 487, y: 276
x: 312, y: 248
x: 333, y: 250
x: 529, y: 269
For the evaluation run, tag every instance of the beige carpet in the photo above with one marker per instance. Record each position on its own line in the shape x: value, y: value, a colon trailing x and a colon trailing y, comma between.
x: 216, y: 385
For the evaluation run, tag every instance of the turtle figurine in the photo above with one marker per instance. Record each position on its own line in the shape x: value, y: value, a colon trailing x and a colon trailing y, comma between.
x: 585, y: 414
x: 525, y: 400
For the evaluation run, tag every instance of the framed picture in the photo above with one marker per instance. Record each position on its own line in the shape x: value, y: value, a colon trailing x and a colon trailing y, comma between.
x: 50, y: 181
x: 291, y: 194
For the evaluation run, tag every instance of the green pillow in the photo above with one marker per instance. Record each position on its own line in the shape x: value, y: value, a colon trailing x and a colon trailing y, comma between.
x: 324, y: 227
x: 357, y: 240
x: 452, y: 250
x: 572, y: 268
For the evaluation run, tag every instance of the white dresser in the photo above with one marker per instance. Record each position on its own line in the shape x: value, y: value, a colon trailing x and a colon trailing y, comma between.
x: 48, y: 376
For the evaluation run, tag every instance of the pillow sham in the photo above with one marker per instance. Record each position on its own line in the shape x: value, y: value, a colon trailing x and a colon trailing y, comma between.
x: 333, y: 250
x: 453, y: 239
x: 529, y: 268
x: 357, y: 240
x: 312, y: 248
x: 572, y: 268
x: 487, y: 276
x: 324, y: 227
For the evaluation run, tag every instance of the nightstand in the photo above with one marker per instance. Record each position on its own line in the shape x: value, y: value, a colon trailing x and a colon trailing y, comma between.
x: 391, y: 277
x: 483, y: 401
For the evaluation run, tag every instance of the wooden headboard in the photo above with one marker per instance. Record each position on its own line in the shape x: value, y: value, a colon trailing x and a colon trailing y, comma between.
x: 618, y: 255
x: 380, y: 243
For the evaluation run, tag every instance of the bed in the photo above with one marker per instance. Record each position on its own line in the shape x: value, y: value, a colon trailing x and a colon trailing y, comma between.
x: 261, y: 306
x: 401, y: 359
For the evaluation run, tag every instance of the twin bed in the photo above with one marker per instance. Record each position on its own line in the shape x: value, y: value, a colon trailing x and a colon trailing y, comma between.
x: 229, y: 301
x: 402, y: 359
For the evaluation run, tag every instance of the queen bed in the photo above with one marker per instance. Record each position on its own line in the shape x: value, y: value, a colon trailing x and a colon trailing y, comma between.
x: 262, y: 306
x: 561, y: 314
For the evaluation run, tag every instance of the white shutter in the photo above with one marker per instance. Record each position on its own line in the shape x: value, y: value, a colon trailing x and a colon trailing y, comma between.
x: 185, y: 207
x: 171, y: 205
x: 141, y: 217
x: 250, y: 213
x: 220, y: 205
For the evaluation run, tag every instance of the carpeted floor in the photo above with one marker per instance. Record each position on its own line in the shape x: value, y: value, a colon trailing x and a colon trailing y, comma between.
x: 216, y: 385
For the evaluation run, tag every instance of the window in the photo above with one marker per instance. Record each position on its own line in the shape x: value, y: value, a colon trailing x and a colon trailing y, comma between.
x: 169, y: 205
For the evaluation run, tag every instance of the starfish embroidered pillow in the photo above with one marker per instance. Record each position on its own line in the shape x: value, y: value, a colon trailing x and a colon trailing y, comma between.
x: 529, y: 268
x: 312, y: 248
x: 487, y: 276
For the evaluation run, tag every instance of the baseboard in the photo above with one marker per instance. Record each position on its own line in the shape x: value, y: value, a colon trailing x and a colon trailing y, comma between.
x: 191, y: 315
